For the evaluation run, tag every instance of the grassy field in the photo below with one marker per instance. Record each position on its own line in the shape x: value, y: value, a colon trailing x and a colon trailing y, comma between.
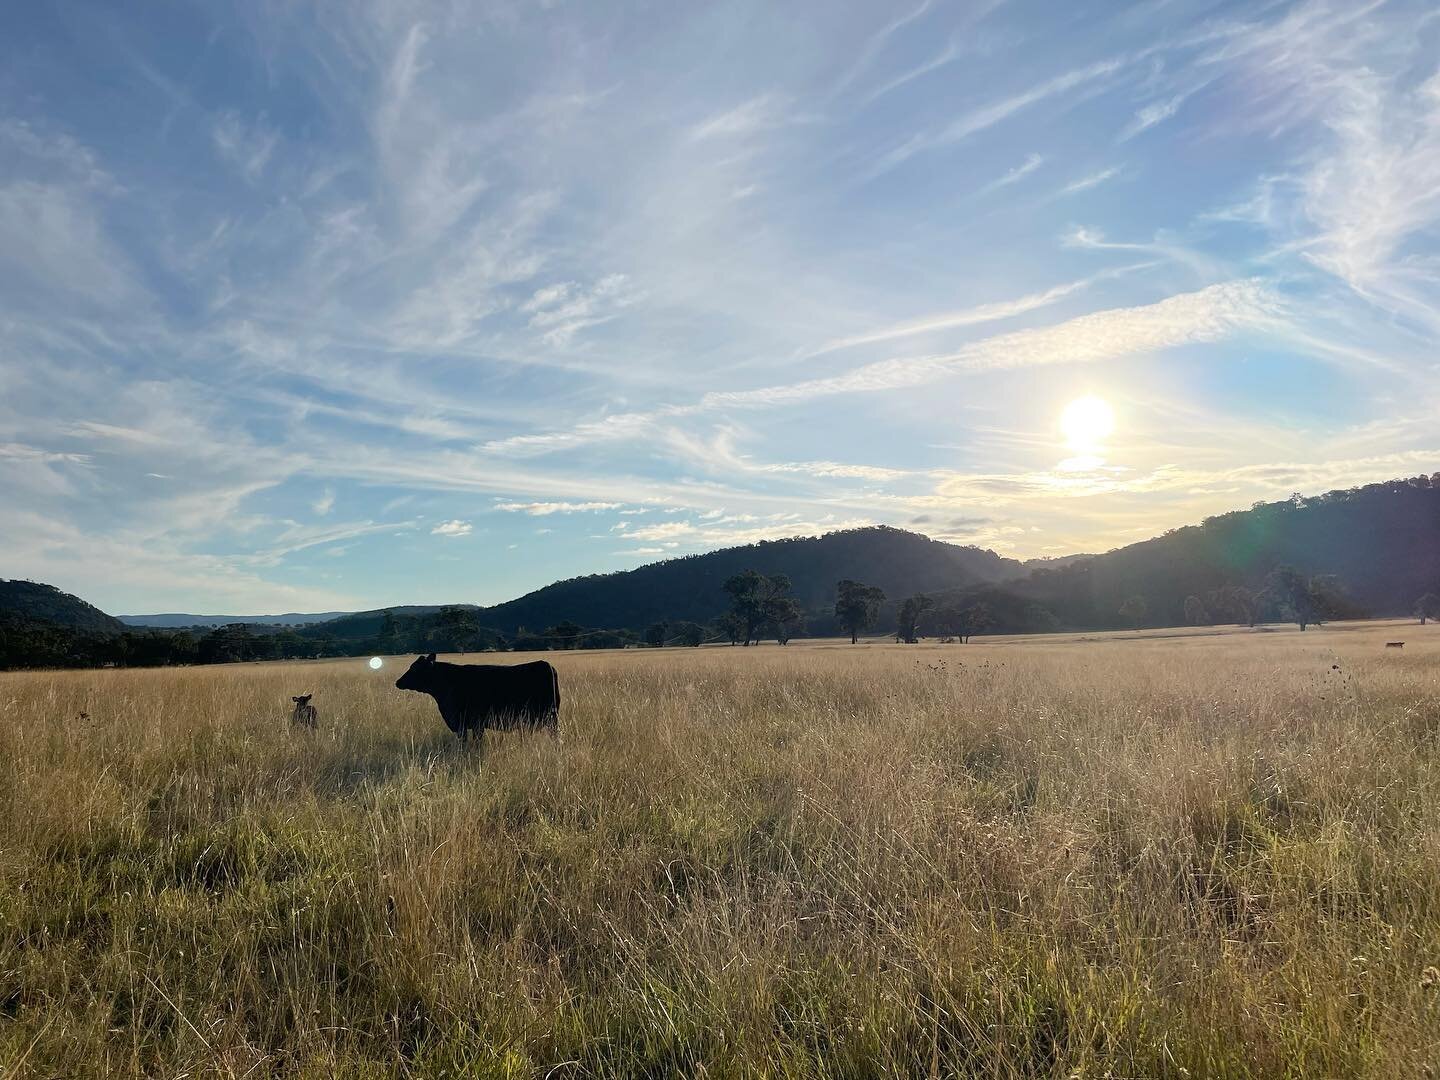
x: 1196, y: 855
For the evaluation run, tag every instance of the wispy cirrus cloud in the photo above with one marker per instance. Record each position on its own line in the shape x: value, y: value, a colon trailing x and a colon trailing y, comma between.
x: 948, y: 55
x: 877, y: 42
x: 974, y: 316
x: 1157, y: 112
x: 1378, y: 190
x: 247, y: 145
x: 1085, y: 183
x: 986, y: 116
x: 759, y: 114
x: 1018, y: 173
x: 544, y: 509
x: 835, y: 469
x: 1207, y: 315
x: 561, y: 311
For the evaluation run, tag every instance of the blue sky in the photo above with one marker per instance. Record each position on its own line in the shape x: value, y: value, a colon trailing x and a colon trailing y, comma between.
x: 330, y: 305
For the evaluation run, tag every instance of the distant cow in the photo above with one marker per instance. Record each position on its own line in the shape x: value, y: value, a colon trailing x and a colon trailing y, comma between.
x: 1394, y: 644
x: 304, y: 714
x: 473, y: 697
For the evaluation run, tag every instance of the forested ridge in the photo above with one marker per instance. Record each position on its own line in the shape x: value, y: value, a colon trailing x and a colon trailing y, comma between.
x: 1373, y: 550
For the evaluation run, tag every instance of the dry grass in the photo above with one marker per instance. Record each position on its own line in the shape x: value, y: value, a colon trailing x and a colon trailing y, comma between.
x: 1200, y: 855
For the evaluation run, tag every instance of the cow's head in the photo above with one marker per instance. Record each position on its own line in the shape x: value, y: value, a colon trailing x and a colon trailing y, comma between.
x: 417, y: 677
x: 302, y: 700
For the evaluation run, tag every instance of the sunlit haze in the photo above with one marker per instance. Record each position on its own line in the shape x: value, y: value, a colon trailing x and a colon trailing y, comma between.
x: 312, y: 307
x: 1087, y: 422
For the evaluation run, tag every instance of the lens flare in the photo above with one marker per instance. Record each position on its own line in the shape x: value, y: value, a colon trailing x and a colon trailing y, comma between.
x: 376, y: 663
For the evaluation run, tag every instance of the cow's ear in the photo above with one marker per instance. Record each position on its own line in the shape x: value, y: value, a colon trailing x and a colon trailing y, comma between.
x: 431, y: 658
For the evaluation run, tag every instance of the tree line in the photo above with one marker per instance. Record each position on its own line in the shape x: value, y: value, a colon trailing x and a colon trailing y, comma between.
x: 761, y: 607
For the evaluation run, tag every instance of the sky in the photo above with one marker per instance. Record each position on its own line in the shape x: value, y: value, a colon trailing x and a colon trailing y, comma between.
x: 330, y: 305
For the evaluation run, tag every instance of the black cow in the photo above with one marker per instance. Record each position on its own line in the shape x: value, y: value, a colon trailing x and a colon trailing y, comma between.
x: 473, y: 697
x: 305, y: 714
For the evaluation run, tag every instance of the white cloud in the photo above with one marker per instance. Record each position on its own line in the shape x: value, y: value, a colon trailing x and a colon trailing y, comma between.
x: 1093, y: 180
x: 1019, y: 172
x: 617, y: 426
x: 1188, y: 318
x: 248, y: 146
x: 662, y: 530
x: 298, y: 537
x: 836, y: 470
x: 453, y: 528
x: 563, y: 310
x: 325, y: 503
x: 543, y: 509
x: 758, y: 114
x: 945, y: 56
x: 986, y: 116
x: 1376, y: 189
x: 154, y: 570
x: 1156, y: 112
x: 982, y: 313
x: 877, y: 41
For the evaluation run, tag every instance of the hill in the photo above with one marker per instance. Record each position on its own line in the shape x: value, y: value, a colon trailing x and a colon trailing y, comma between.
x: 31, y: 601
x: 1382, y: 541
x: 360, y: 624
x: 897, y: 561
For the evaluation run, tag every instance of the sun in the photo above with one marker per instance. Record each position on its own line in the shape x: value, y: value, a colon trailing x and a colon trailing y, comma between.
x: 1086, y: 422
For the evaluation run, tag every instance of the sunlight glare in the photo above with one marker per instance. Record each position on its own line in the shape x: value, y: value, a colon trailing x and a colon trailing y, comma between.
x: 1086, y: 422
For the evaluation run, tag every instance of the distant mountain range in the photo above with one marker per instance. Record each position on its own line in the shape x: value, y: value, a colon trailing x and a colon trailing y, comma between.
x: 1382, y: 540
x: 177, y: 621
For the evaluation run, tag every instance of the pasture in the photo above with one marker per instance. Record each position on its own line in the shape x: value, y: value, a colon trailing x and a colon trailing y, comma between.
x: 1208, y: 854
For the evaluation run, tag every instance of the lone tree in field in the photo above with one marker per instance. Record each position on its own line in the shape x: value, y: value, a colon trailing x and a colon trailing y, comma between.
x: 564, y: 635
x: 1195, y: 613
x: 730, y: 626
x: 857, y: 606
x: 758, y: 602
x: 908, y: 624
x: 690, y: 634
x: 1303, y: 600
x: 958, y: 622
x: 1134, y: 611
x: 1040, y: 619
x: 1234, y: 602
x: 786, y: 619
x: 975, y: 619
x: 1427, y: 607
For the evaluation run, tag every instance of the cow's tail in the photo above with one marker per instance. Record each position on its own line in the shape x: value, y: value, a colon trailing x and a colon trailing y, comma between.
x: 555, y: 688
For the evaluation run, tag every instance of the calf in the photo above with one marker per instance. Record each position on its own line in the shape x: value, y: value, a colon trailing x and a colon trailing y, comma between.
x: 473, y: 697
x: 304, y: 714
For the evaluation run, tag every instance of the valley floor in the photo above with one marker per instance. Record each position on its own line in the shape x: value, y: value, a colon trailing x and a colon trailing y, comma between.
x: 1202, y: 853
